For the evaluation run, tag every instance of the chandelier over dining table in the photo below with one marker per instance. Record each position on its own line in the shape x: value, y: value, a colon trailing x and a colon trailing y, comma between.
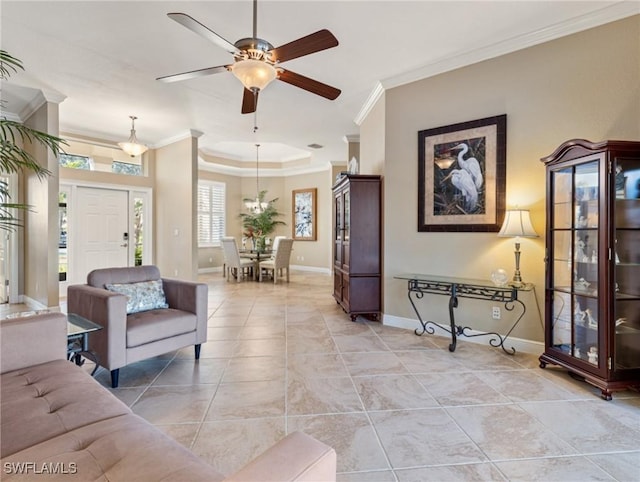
x: 257, y: 205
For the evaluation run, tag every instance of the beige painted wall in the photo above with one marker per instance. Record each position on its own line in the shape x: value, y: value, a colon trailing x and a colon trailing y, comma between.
x: 99, y: 177
x: 312, y: 253
x: 176, y: 176
x: 41, y: 224
x: 584, y: 85
x: 372, y: 140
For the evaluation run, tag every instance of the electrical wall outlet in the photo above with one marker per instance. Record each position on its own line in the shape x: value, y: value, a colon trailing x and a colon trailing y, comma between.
x: 495, y: 312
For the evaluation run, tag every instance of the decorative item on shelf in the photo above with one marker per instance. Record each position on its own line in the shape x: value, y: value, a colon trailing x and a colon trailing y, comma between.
x: 132, y: 146
x: 578, y: 314
x: 620, y: 182
x: 593, y: 323
x: 592, y: 355
x: 576, y: 352
x: 517, y: 223
x: 580, y: 256
x: 620, y: 321
x: 499, y: 277
x: 353, y: 166
x: 582, y: 284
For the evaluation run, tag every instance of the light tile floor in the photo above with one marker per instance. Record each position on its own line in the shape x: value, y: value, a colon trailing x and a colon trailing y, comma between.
x: 396, y: 407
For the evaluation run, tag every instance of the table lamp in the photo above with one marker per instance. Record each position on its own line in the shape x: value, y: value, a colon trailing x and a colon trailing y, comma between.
x: 517, y: 223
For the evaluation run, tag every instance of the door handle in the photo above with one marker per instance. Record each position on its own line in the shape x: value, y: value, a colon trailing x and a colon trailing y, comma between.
x: 124, y: 245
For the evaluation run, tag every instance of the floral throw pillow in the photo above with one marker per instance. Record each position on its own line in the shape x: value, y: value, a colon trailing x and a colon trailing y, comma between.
x: 142, y: 296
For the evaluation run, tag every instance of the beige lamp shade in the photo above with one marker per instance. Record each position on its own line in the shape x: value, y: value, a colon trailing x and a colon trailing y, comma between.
x: 517, y: 223
x: 131, y: 146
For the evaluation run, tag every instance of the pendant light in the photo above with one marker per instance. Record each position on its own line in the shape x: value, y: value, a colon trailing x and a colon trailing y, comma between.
x: 257, y: 206
x: 132, y: 146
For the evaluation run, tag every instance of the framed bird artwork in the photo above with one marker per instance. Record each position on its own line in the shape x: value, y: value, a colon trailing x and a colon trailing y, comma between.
x: 462, y: 176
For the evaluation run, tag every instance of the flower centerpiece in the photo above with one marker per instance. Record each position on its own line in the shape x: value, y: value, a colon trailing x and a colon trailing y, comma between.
x: 260, y: 221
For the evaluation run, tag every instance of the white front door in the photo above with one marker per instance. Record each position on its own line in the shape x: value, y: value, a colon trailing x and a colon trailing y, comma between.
x: 102, y: 230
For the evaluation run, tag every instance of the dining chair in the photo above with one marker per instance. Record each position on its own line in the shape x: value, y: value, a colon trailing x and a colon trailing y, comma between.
x: 279, y: 262
x: 233, y: 261
x: 274, y: 249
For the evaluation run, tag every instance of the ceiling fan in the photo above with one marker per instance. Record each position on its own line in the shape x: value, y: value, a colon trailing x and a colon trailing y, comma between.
x: 257, y: 62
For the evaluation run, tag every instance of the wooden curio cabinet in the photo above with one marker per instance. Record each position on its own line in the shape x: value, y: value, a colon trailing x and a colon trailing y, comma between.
x: 357, y: 244
x: 592, y: 296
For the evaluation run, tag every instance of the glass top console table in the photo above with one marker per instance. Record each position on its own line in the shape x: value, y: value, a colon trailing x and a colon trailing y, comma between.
x: 420, y: 284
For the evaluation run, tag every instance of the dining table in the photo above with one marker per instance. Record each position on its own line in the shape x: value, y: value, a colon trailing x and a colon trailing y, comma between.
x: 256, y: 255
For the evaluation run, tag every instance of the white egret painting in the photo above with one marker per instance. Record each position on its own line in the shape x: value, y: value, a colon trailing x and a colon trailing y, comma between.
x: 461, y: 181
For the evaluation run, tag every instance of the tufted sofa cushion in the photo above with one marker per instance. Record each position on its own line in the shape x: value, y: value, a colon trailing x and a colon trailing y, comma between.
x: 43, y: 401
x: 124, y: 448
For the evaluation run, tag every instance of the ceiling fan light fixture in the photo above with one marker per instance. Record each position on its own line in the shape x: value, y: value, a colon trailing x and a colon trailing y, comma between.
x: 254, y: 74
x: 131, y: 146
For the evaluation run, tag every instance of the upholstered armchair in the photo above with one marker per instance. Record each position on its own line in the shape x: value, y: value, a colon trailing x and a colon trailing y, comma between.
x: 142, y: 315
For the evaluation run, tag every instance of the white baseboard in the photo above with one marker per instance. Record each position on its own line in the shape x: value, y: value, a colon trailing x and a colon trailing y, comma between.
x: 32, y: 304
x: 217, y: 269
x: 520, y: 344
x: 313, y: 269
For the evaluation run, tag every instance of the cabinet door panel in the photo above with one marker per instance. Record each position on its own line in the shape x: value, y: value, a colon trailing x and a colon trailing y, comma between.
x: 585, y: 329
x: 365, y: 293
x: 562, y: 315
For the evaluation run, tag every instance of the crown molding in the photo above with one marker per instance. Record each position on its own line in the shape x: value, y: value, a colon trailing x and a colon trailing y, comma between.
x: 11, y: 116
x: 612, y: 13
x: 353, y: 138
x: 371, y: 101
x: 39, y: 99
x: 178, y: 137
x: 250, y: 172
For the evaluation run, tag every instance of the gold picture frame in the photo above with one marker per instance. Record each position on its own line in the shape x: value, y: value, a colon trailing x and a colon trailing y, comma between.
x: 303, y: 216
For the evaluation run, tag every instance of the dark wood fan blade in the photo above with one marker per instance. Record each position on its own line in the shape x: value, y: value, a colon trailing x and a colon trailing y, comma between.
x: 308, y: 84
x: 315, y: 42
x: 196, y: 27
x: 193, y: 74
x: 249, y: 101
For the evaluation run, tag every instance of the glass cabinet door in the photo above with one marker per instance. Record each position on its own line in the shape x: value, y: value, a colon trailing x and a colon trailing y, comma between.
x: 626, y: 263
x: 562, y: 248
x: 576, y: 222
x: 347, y: 214
x: 337, y: 230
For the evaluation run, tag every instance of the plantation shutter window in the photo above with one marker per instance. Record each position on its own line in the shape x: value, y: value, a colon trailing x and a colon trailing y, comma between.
x: 211, y: 209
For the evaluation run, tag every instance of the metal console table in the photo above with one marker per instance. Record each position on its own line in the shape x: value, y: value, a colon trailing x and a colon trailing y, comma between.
x: 421, y: 284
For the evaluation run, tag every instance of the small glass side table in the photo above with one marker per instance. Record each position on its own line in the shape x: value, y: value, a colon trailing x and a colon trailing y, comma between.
x: 78, y: 329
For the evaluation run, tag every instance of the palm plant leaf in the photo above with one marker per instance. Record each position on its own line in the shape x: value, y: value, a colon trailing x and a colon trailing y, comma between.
x: 8, y: 64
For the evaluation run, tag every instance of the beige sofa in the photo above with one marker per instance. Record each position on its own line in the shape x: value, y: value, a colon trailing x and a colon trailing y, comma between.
x: 127, y: 338
x: 57, y: 420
